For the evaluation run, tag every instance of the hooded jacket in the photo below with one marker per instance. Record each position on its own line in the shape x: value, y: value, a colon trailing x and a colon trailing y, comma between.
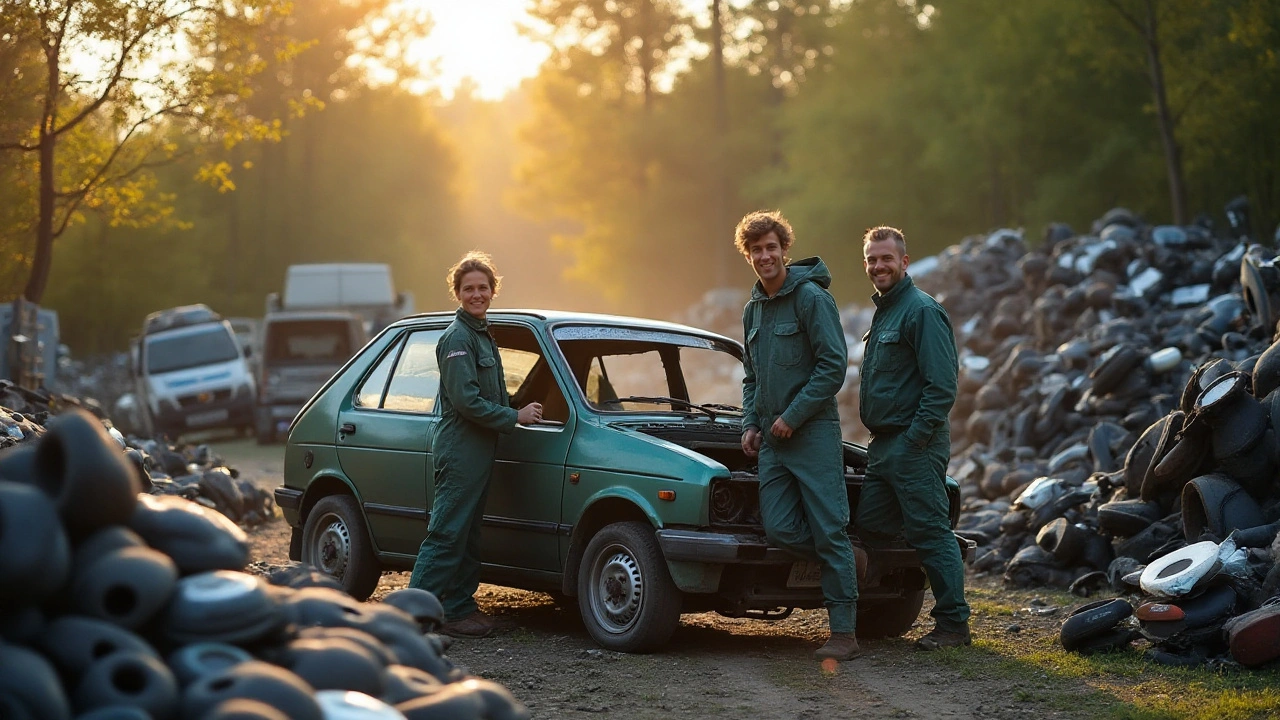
x: 796, y: 354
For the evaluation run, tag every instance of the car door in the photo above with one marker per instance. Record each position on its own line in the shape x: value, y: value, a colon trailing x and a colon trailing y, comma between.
x: 522, y: 515
x: 384, y: 439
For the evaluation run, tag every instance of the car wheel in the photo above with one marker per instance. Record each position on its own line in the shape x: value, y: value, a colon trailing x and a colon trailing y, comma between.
x: 265, y: 436
x: 889, y: 618
x: 336, y: 541
x: 625, y: 593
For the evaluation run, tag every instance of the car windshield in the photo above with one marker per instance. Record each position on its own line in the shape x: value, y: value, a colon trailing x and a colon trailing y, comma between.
x: 308, y: 342
x: 653, y: 372
x: 207, y: 346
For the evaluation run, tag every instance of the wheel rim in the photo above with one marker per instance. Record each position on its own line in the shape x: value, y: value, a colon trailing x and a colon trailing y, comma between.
x: 617, y: 589
x: 331, y: 550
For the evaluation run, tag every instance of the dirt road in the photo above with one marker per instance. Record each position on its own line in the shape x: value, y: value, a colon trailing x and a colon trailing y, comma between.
x: 717, y: 667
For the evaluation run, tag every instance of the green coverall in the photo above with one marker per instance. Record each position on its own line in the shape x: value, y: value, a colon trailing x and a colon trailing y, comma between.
x: 909, y: 379
x: 795, y: 363
x: 474, y: 406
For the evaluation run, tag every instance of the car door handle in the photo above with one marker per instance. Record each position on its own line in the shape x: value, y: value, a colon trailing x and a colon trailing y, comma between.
x: 348, y: 429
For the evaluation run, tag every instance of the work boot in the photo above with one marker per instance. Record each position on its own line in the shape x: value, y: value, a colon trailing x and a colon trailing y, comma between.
x: 475, y: 625
x: 840, y: 646
x: 939, y: 638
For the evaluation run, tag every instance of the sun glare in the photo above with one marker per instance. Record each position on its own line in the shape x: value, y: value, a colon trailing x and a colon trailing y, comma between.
x: 477, y: 39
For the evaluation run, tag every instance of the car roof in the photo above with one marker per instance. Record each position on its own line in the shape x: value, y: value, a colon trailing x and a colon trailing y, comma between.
x: 565, y: 317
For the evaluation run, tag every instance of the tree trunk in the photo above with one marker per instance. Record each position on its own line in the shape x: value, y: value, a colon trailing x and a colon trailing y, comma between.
x: 646, y: 53
x: 721, y: 250
x: 38, y: 281
x: 1172, y: 154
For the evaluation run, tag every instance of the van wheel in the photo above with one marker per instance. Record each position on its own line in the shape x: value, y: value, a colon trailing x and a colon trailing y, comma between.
x: 335, y: 540
x: 627, y: 598
x: 888, y: 618
x: 264, y: 436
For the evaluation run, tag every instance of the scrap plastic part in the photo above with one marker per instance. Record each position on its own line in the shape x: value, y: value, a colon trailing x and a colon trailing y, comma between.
x: 1180, y: 571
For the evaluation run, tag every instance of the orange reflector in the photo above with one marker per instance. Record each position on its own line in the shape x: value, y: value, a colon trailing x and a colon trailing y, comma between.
x: 666, y: 494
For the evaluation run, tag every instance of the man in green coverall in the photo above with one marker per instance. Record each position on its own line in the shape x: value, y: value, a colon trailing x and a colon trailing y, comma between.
x: 909, y: 379
x: 795, y: 363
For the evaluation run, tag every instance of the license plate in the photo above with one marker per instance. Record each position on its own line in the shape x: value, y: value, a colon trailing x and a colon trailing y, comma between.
x: 805, y: 574
x: 207, y: 418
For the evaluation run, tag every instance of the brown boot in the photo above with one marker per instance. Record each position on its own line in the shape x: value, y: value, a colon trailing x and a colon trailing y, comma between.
x: 939, y: 638
x: 475, y: 625
x: 840, y: 646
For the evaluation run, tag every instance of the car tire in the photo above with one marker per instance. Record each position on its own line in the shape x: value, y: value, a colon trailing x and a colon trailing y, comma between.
x: 264, y: 436
x: 888, y: 618
x: 335, y: 540
x: 627, y: 598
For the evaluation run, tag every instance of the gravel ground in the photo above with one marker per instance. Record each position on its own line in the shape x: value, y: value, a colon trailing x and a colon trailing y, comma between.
x: 720, y: 667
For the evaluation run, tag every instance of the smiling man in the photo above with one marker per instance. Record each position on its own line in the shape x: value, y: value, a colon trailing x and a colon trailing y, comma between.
x: 795, y: 363
x: 909, y: 380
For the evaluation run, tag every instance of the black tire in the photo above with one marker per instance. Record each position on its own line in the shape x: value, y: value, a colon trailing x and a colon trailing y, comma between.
x: 1108, y: 375
x: 335, y: 539
x: 1092, y: 620
x: 888, y: 618
x: 627, y: 598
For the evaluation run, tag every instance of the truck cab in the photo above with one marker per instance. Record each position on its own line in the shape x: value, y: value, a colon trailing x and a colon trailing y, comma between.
x: 298, y: 352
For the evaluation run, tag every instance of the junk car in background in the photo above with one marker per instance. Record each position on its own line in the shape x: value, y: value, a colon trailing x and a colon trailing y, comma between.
x: 190, y: 373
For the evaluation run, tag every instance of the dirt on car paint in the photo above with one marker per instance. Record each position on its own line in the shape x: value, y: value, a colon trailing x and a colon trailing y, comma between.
x: 714, y: 666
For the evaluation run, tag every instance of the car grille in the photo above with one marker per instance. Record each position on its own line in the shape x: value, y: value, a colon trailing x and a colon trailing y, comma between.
x: 735, y: 501
x: 204, y: 398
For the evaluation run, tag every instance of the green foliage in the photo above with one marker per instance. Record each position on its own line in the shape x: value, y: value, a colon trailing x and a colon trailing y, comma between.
x: 944, y: 119
x: 370, y: 178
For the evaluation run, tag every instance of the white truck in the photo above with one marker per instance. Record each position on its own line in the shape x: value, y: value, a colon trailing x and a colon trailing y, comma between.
x: 362, y: 288
x: 190, y: 373
x: 326, y: 314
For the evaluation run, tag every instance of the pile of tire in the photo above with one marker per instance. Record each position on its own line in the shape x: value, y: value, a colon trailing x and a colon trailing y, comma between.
x: 193, y: 472
x: 1115, y: 406
x: 119, y: 605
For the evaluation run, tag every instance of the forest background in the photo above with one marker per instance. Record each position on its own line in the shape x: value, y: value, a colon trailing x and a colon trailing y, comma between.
x: 265, y: 133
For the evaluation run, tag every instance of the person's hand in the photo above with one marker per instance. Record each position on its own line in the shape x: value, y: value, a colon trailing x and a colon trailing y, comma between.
x: 781, y: 429
x: 751, y: 442
x: 530, y: 414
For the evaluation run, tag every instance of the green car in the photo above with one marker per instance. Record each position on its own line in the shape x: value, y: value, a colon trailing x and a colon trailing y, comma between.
x: 633, y: 494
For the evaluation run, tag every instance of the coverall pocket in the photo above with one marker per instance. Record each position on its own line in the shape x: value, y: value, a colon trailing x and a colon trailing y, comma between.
x: 788, y: 344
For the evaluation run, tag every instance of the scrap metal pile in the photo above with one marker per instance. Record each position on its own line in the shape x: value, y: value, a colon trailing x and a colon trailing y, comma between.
x: 1117, y: 421
x: 119, y: 604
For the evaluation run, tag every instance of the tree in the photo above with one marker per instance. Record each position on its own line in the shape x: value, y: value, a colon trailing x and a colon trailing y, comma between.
x: 117, y: 78
x: 1144, y: 18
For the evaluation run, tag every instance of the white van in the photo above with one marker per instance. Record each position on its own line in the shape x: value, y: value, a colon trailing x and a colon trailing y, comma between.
x: 191, y: 374
x: 362, y: 288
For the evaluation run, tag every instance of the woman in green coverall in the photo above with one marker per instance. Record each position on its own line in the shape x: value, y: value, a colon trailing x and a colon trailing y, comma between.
x: 474, y: 407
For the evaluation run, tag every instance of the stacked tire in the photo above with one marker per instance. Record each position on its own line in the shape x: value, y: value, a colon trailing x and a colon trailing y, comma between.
x: 119, y: 605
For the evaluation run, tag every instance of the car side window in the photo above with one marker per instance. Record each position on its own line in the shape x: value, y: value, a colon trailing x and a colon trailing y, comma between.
x: 369, y: 395
x: 527, y: 374
x: 415, y: 383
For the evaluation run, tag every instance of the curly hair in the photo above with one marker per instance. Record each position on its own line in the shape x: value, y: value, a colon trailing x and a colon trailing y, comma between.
x: 471, y: 262
x: 760, y: 223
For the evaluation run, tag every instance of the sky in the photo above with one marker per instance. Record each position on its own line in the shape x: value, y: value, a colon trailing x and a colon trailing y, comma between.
x: 478, y: 39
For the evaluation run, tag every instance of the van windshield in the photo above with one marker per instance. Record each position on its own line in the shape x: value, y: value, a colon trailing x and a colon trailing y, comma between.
x: 308, y: 342
x: 206, y: 347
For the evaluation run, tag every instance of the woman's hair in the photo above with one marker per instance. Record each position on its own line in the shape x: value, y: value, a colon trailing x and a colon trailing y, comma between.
x: 472, y: 261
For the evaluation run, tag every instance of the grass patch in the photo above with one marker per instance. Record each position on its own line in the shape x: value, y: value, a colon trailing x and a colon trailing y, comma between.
x: 1120, y: 686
